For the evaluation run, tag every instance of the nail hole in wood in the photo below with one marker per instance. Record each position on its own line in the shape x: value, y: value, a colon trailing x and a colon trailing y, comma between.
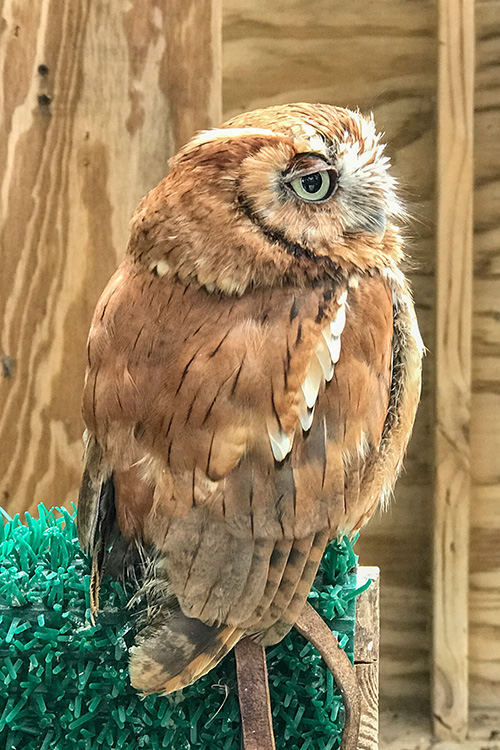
x: 44, y: 102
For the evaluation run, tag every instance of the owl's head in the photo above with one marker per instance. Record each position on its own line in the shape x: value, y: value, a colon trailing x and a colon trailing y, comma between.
x: 279, y: 195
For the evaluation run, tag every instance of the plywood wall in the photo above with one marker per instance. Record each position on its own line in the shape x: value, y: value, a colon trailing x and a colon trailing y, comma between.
x: 484, y: 602
x: 97, y: 97
x: 379, y: 56
x: 97, y: 101
x: 382, y: 56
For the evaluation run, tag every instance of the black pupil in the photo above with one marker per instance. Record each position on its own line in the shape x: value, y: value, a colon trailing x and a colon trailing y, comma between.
x: 312, y: 182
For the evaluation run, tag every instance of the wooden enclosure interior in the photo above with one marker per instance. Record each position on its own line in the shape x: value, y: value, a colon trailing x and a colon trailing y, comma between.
x: 95, y: 100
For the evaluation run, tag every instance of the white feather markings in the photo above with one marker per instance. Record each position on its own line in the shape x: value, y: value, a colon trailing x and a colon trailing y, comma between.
x: 415, y: 331
x: 321, y: 367
x: 333, y: 344
x: 324, y: 358
x: 306, y: 417
x: 327, y: 353
x: 312, y: 382
x: 225, y: 134
x: 281, y: 443
x: 160, y: 267
x: 337, y: 325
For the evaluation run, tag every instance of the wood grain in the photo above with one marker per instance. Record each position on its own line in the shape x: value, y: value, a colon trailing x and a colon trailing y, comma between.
x: 383, y: 56
x: 453, y: 369
x: 366, y: 656
x: 95, y: 100
x: 484, y: 602
x: 82, y: 141
x: 379, y: 56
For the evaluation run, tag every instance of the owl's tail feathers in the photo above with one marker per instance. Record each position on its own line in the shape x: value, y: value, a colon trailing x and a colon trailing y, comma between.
x: 176, y: 653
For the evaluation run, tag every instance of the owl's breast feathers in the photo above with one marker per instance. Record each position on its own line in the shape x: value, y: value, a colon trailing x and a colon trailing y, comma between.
x: 242, y: 433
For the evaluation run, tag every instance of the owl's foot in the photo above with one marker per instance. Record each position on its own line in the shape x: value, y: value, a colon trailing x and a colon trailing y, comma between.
x: 253, y: 692
x: 312, y: 626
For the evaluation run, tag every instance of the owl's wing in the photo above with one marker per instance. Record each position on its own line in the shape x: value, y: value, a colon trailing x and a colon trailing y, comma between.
x: 239, y: 438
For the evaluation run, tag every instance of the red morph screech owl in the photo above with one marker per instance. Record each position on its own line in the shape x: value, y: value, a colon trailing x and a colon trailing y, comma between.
x: 253, y: 376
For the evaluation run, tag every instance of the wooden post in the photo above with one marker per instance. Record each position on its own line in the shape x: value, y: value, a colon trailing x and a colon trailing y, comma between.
x: 366, y: 655
x: 97, y: 95
x: 453, y: 368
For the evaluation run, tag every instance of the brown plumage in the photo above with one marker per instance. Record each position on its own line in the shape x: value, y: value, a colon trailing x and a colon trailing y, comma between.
x: 253, y: 375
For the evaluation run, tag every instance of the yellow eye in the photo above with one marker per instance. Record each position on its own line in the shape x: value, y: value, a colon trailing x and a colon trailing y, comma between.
x: 317, y: 186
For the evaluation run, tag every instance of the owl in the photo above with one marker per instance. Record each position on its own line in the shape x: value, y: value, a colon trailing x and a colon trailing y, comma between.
x: 252, y: 381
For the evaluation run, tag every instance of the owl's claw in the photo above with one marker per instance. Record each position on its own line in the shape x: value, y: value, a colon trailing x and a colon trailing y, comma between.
x: 312, y: 626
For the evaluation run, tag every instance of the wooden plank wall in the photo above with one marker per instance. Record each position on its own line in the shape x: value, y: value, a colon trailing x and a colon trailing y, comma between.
x: 98, y: 95
x: 85, y: 131
x: 383, y: 56
x: 380, y: 56
x: 454, y: 241
x: 484, y: 597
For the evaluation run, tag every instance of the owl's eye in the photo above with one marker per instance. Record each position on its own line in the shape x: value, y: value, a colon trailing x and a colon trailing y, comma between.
x: 316, y: 186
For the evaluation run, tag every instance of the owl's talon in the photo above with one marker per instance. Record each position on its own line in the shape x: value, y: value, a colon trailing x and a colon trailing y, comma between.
x: 316, y: 631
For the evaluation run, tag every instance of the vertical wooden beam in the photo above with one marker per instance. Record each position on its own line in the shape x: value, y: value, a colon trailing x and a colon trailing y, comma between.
x: 95, y: 96
x: 453, y: 367
x: 366, y: 655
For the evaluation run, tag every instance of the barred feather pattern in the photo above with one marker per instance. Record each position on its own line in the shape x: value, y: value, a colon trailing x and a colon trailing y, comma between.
x: 253, y: 376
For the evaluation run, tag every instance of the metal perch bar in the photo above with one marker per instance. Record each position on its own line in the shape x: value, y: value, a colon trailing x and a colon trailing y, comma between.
x: 312, y: 627
x: 253, y: 692
x: 255, y: 705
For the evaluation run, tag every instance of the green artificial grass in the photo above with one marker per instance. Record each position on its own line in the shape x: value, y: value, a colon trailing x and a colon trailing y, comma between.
x: 64, y: 683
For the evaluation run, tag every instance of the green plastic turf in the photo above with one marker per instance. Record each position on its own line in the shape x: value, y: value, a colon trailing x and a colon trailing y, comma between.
x: 64, y: 683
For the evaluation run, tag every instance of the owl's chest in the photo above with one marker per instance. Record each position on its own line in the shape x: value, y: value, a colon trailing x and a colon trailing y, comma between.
x: 326, y: 358
x: 231, y: 376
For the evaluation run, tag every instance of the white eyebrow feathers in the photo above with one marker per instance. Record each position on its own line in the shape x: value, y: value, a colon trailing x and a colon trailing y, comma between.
x: 218, y: 134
